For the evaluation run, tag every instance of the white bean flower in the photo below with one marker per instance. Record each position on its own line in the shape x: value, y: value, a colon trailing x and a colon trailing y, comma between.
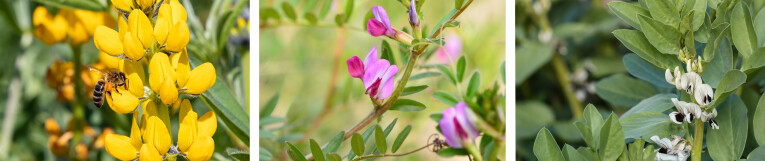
x: 689, y: 81
x: 685, y: 111
x: 703, y: 94
x: 674, y: 150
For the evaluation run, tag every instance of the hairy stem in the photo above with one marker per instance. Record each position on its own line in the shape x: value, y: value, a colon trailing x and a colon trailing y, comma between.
x: 391, y: 155
x: 561, y: 71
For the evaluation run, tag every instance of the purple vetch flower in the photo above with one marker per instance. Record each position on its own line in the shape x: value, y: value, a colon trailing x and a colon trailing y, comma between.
x: 451, y: 49
x: 456, y: 125
x: 376, y: 74
x: 413, y: 19
x: 380, y: 25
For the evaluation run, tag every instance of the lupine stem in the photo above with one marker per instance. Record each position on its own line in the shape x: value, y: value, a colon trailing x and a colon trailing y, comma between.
x: 77, y: 107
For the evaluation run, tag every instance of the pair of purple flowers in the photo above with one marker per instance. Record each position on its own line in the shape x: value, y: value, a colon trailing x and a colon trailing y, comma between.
x: 377, y: 74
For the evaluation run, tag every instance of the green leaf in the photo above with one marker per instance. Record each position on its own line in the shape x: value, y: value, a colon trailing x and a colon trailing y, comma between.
x: 728, y: 142
x: 447, y: 73
x: 74, y: 4
x: 758, y: 120
x: 757, y: 154
x: 742, y: 30
x: 269, y: 13
x: 755, y: 62
x: 311, y: 18
x: 636, y: 42
x: 387, y: 53
x: 357, y: 143
x: 502, y: 72
x: 413, y: 89
x: 294, y: 153
x: 269, y: 107
x: 545, y: 147
x: 348, y: 9
x: 657, y: 103
x: 446, y: 98
x: 407, y: 105
x: 400, y: 138
x: 228, y: 23
x: 424, y: 75
x: 571, y: 154
x: 265, y: 134
x: 270, y: 120
x: 641, y: 69
x: 588, y: 153
x: 458, y: 4
x: 334, y: 157
x: 628, y: 12
x: 366, y: 18
x: 461, y: 68
x: 318, y: 155
x: 699, y: 12
x: 264, y: 154
x: 664, y: 11
x: 450, y: 152
x: 730, y: 81
x: 340, y: 19
x: 289, y: 11
x: 436, y: 116
x: 665, y: 38
x: 759, y: 23
x: 334, y: 144
x: 475, y: 83
x: 586, y: 133
x: 723, y: 62
x: 382, y: 146
x: 444, y: 20
x: 611, y: 139
x: 221, y: 101
x: 649, y: 123
x: 594, y: 122
x: 530, y: 117
x: 529, y: 58
x: 325, y: 9
x: 623, y: 90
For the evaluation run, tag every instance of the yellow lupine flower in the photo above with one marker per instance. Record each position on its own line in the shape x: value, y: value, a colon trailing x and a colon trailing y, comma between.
x: 123, y: 28
x: 178, y: 37
x: 110, y: 62
x: 158, y: 135
x: 123, y: 101
x: 179, y: 12
x: 133, y: 48
x: 163, y: 24
x: 208, y: 123
x: 180, y: 63
x: 78, y: 35
x: 124, y: 5
x: 133, y: 71
x: 157, y: 70
x: 135, y: 133
x: 200, y: 79
x: 140, y: 26
x: 48, y: 29
x: 108, y: 41
x: 168, y: 92
x: 201, y: 150
x: 145, y: 3
x: 187, y: 131
x: 195, y: 135
x: 123, y: 147
x: 90, y: 20
x: 149, y: 152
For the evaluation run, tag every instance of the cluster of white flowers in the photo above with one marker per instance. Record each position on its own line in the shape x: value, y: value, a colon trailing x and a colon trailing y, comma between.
x: 677, y: 149
x: 702, y: 93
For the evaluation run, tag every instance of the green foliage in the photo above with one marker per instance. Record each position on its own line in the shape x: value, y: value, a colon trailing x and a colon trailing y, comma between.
x: 728, y: 142
x: 400, y: 138
x: 545, y: 147
x: 407, y: 105
x: 358, y: 144
x: 318, y: 155
x: 623, y: 90
x: 380, y: 140
x: 611, y: 139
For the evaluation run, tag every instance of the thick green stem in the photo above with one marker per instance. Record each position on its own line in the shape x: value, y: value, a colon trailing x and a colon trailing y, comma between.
x: 698, y: 140
x: 77, y: 107
x: 561, y: 71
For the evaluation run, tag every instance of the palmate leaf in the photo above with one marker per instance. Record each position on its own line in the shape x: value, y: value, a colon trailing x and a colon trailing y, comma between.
x: 91, y: 5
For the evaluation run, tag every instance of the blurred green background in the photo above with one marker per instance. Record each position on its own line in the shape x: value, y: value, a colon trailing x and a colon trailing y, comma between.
x: 297, y: 59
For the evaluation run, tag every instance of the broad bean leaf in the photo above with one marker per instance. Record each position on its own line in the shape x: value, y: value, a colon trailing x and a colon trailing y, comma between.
x: 611, y: 139
x: 730, y: 81
x: 530, y: 117
x: 569, y: 153
x: 529, y: 58
x: 754, y: 62
x: 742, y: 30
x: 623, y: 90
x: 722, y: 63
x: 758, y: 121
x: 641, y: 69
x: 637, y: 43
x: 759, y: 22
x: 649, y: 123
x: 594, y: 121
x: 664, y: 37
x: 545, y: 147
x: 664, y: 11
x: 757, y: 154
x: 727, y: 143
x: 657, y: 103
x: 628, y: 12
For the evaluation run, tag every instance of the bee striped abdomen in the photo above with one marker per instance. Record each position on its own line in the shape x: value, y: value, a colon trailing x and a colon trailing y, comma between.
x: 98, y: 93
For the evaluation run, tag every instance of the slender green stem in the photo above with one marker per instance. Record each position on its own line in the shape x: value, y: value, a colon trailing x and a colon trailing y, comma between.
x: 77, y: 107
x: 561, y: 71
x: 698, y: 139
x: 498, y: 143
x: 390, y: 155
x: 473, y: 150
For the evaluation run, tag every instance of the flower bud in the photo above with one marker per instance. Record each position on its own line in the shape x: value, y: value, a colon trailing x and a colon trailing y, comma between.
x: 81, y: 151
x: 413, y: 18
x: 355, y: 67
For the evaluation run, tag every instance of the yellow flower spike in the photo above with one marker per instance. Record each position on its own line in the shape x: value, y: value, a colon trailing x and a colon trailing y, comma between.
x: 81, y: 151
x: 187, y: 131
x: 180, y: 63
x: 201, y: 150
x: 185, y: 109
x: 58, y: 28
x: 159, y: 136
x: 119, y: 146
x: 111, y: 62
x: 163, y: 24
x: 149, y: 152
x: 51, y: 126
x: 201, y: 79
x: 168, y: 93
x: 179, y: 12
x: 134, y: 82
x: 156, y: 71
x: 108, y: 41
x: 178, y: 37
x: 176, y: 106
x: 135, y: 133
x: 132, y: 47
x: 124, y: 5
x: 41, y: 16
x: 145, y: 3
x: 78, y: 35
x: 123, y: 101
x: 123, y: 27
x: 140, y: 26
x: 208, y: 123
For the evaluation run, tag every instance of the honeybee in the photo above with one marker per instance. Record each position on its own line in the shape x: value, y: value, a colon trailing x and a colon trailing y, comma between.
x: 110, y: 80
